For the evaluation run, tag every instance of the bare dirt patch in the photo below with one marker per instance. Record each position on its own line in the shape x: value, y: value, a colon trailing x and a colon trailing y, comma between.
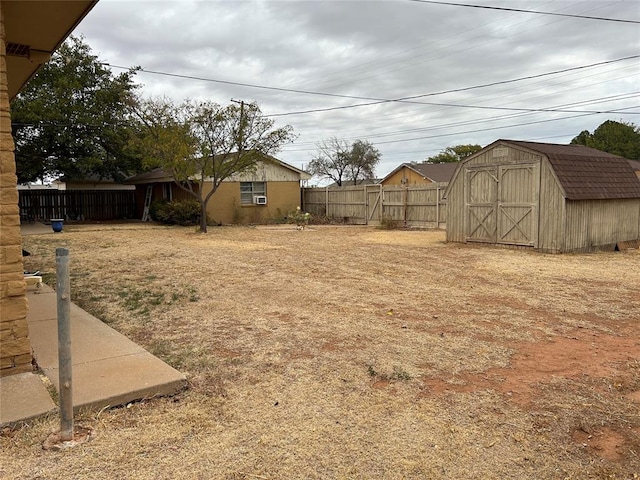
x: 355, y: 353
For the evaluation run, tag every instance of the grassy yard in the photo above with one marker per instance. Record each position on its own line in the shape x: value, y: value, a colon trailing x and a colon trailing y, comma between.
x: 346, y: 352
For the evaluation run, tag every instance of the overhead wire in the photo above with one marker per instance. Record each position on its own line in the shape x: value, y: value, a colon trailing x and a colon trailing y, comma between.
x: 521, y: 10
x: 373, y: 100
x: 369, y: 135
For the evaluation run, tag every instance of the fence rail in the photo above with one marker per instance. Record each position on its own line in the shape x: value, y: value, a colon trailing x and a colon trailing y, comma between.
x: 415, y: 205
x: 76, y: 204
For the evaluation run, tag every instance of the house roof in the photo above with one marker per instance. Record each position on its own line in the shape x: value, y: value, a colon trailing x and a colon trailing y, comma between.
x: 91, y: 178
x: 362, y: 181
x: 586, y: 173
x: 436, y: 172
x: 33, y: 31
x: 158, y: 175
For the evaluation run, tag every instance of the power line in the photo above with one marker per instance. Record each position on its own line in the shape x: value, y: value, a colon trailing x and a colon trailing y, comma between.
x: 370, y: 135
x: 537, y: 12
x: 455, y: 90
x: 619, y: 111
x: 402, y: 116
x: 373, y: 100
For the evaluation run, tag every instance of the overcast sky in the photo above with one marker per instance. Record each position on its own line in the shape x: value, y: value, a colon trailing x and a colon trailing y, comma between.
x: 386, y: 50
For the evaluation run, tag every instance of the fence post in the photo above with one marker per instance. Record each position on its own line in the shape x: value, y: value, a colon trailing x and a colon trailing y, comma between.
x: 365, y: 202
x: 381, y: 213
x: 326, y: 201
x: 64, y: 343
x: 438, y: 207
x: 405, y: 202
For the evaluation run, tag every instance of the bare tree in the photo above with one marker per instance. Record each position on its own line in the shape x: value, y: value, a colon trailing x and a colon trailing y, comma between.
x: 363, y: 159
x: 338, y: 161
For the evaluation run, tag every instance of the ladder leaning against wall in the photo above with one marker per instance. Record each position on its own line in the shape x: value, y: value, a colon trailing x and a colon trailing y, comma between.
x: 147, y: 204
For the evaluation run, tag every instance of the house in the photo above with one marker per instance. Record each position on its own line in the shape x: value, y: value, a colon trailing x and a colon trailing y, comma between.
x: 548, y: 197
x: 420, y: 174
x: 268, y: 192
x: 29, y: 33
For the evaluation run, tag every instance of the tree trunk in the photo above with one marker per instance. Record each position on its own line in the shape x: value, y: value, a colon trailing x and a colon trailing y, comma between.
x: 203, y: 217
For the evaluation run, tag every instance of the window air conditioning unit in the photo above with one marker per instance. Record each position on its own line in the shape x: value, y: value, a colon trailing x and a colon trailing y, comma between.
x: 259, y: 199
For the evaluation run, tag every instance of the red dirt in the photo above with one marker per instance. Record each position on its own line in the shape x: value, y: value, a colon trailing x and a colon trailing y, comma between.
x: 579, y: 353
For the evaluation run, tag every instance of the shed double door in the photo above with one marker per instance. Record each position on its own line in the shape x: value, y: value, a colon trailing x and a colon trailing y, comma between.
x: 501, y: 204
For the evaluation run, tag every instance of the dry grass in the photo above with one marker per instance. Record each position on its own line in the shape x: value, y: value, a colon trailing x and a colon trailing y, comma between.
x: 340, y: 352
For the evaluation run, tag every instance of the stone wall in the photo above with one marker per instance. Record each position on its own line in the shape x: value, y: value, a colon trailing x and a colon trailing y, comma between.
x: 15, y: 348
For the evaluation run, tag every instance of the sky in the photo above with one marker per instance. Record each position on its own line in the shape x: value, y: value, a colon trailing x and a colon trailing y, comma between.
x: 344, y: 69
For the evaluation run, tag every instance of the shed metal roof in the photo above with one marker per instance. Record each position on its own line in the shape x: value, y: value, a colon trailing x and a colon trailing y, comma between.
x: 586, y: 173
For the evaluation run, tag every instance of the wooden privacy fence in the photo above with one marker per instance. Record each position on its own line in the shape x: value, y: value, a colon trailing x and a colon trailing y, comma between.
x: 76, y: 204
x: 412, y: 206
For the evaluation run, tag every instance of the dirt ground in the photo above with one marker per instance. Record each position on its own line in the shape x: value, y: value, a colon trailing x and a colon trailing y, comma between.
x: 352, y: 352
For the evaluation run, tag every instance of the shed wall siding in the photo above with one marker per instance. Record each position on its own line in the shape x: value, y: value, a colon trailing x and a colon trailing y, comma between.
x: 455, y: 209
x: 593, y: 224
x: 552, y: 212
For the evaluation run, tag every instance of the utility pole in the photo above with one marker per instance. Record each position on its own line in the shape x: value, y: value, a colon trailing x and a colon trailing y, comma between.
x: 241, y: 126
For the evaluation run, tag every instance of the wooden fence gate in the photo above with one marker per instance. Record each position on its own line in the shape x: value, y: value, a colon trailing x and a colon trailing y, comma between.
x: 374, y: 196
x: 416, y: 205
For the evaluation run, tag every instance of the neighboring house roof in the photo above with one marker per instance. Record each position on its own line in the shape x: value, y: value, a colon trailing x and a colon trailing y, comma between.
x: 92, y: 178
x: 362, y: 181
x: 158, y: 175
x: 586, y: 173
x: 436, y: 172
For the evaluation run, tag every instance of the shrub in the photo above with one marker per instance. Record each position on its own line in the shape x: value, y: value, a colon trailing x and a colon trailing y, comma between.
x: 388, y: 223
x: 300, y: 218
x: 158, y: 210
x: 185, y: 212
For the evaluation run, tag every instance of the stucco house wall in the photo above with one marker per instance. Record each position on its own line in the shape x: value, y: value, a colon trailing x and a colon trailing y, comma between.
x: 406, y: 176
x: 225, y: 206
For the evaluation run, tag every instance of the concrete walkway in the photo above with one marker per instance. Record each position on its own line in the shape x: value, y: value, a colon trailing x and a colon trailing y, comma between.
x: 108, y: 368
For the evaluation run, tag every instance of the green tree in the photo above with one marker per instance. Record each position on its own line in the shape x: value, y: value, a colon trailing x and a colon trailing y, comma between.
x: 338, y: 161
x: 454, y: 154
x: 618, y: 138
x: 71, y: 119
x: 203, y: 144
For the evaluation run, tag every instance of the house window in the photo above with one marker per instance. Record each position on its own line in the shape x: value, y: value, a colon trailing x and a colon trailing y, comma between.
x: 249, y: 189
x: 167, y: 192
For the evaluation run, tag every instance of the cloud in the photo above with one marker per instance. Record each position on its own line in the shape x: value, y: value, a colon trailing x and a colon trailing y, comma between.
x: 382, y: 49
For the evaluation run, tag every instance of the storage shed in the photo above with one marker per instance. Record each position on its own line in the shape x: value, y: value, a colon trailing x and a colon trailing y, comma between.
x: 548, y: 197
